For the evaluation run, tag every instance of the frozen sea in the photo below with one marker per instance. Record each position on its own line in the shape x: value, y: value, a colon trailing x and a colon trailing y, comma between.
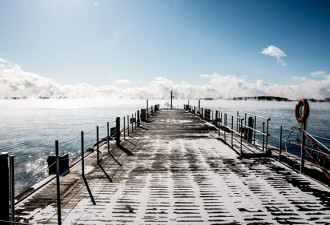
x: 29, y: 127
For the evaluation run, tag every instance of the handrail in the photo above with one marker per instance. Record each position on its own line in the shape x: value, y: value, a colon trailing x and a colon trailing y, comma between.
x: 312, y: 157
x: 251, y: 114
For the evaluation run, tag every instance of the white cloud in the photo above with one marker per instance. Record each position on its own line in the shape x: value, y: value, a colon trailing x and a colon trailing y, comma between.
x: 318, y: 73
x: 15, y: 82
x: 274, y: 51
x: 204, y: 76
x: 122, y: 81
x: 299, y: 78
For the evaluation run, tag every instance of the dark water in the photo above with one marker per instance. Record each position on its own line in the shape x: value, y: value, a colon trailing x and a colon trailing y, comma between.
x: 29, y: 128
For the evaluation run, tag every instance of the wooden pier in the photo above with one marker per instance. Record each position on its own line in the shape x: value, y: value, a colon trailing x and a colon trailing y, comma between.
x: 180, y: 172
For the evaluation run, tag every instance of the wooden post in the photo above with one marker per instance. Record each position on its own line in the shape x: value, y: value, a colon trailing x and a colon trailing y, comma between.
x: 135, y: 121
x: 118, y: 131
x: 199, y: 105
x: 58, y: 191
x: 4, y: 187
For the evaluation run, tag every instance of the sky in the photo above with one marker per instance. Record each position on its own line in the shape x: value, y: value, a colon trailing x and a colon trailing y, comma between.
x: 145, y: 48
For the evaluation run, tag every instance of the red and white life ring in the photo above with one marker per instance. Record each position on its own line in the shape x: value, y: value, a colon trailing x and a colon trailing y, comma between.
x: 302, y: 110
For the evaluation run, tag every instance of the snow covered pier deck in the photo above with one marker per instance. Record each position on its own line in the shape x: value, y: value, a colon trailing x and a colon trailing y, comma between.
x: 181, y: 173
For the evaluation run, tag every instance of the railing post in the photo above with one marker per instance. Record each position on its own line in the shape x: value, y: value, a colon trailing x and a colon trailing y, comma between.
x: 97, y: 145
x: 138, y: 118
x: 232, y: 131
x: 237, y: 124
x: 127, y: 125
x: 4, y: 187
x: 267, y: 134
x: 263, y: 136
x: 124, y: 128
x: 147, y: 110
x: 135, y: 121
x: 225, y: 123
x: 254, y: 131
x: 118, y: 131
x: 108, y: 136
x: 280, y: 147
x: 82, y: 154
x: 241, y: 148
x: 302, y: 162
x: 199, y: 105
x: 221, y: 119
x: 12, y: 188
x: 132, y: 123
x: 58, y: 191
x: 171, y: 99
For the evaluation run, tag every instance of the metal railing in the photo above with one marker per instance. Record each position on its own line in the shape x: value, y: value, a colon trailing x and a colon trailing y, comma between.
x: 241, y: 128
x: 267, y: 137
x: 108, y: 131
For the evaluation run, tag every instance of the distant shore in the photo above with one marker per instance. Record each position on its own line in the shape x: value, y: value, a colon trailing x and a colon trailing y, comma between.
x: 254, y: 98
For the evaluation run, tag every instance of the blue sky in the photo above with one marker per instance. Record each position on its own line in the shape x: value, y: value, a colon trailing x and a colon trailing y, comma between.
x: 128, y: 43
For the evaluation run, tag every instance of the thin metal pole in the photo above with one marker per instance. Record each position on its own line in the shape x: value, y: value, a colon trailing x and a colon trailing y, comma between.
x: 12, y: 188
x: 302, y: 162
x: 255, y: 128
x: 97, y: 145
x: 267, y: 134
x: 82, y: 154
x: 132, y: 123
x: 171, y: 99
x: 263, y: 136
x: 280, y: 147
x: 59, y: 217
x: 245, y: 119
x: 128, y: 124
x: 232, y: 131
x: 241, y: 137
x: 225, y: 123
x: 108, y: 136
x: 199, y: 105
x: 237, y: 124
x: 147, y: 110
x: 118, y: 131
x: 135, y: 121
x: 124, y: 128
